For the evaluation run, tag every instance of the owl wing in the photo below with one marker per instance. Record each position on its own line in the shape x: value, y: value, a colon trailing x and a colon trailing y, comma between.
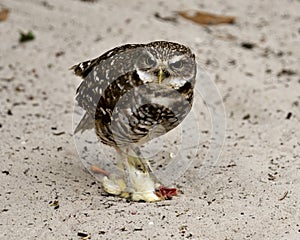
x: 84, y: 68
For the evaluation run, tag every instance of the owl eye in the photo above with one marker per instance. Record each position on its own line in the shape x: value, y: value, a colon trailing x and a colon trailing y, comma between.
x: 176, y: 65
x: 149, y: 61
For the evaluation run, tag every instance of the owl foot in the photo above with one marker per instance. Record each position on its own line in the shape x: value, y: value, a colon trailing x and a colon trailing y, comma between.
x: 143, y: 191
x: 118, y: 187
x: 141, y: 188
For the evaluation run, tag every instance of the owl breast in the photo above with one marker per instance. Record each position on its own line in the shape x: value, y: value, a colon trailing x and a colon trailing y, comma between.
x: 139, y: 114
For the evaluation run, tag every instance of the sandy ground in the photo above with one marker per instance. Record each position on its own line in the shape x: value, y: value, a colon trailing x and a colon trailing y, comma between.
x: 252, y: 192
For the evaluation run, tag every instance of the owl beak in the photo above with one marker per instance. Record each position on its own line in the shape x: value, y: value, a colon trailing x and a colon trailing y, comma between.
x: 160, y: 75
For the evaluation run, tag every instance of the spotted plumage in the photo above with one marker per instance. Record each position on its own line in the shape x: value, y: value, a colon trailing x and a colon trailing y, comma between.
x: 134, y: 93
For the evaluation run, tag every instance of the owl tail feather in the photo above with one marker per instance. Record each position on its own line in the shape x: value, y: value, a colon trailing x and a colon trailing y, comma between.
x: 85, y: 123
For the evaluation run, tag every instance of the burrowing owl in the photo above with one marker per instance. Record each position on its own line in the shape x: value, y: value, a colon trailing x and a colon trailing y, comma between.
x: 132, y: 94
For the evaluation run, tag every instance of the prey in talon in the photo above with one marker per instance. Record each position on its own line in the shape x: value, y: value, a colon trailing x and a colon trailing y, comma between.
x: 133, y: 94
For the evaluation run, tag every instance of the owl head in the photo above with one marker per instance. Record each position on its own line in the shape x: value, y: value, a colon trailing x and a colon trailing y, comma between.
x: 167, y: 64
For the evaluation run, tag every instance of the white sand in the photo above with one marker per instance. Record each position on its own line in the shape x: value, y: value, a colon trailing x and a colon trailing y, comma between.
x: 253, y: 191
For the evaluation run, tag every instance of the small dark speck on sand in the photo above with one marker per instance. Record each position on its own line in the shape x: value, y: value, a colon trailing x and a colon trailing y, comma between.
x: 288, y: 116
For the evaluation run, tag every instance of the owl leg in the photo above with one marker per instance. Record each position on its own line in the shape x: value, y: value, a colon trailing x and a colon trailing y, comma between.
x: 146, y: 183
x: 143, y: 185
x: 147, y: 167
x: 119, y: 183
x: 134, y: 181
